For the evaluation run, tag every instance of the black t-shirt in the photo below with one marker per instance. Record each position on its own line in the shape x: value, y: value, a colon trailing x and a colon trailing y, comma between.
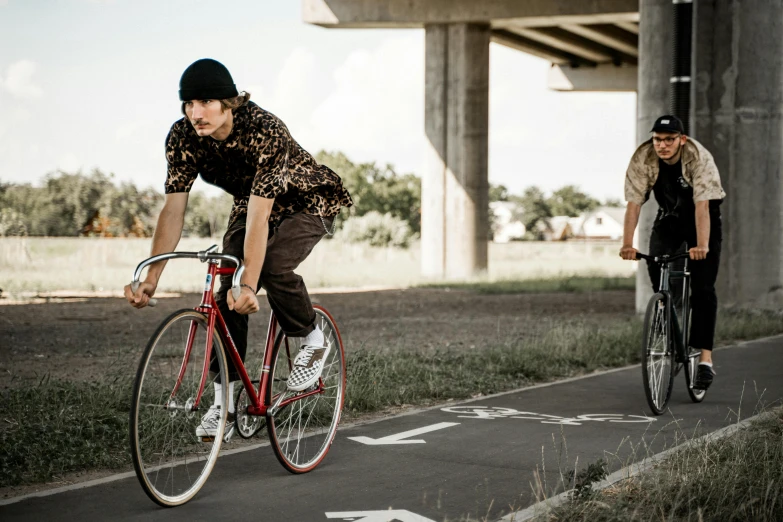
x: 672, y: 192
x: 674, y: 195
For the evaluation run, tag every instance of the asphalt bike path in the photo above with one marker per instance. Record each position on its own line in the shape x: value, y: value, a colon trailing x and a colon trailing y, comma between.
x: 459, y: 461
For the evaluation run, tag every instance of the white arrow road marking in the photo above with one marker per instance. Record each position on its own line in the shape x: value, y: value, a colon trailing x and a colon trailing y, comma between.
x: 389, y: 515
x: 397, y: 439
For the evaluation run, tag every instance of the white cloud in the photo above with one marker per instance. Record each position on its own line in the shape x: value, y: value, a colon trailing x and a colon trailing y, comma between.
x: 376, y: 111
x: 69, y: 162
x: 3, y: 3
x: 296, y: 89
x: 133, y: 132
x: 19, y: 80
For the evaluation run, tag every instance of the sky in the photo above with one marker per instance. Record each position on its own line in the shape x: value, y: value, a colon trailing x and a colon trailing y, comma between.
x: 90, y: 84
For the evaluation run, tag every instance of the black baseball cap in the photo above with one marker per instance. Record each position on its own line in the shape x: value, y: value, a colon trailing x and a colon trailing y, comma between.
x: 668, y: 123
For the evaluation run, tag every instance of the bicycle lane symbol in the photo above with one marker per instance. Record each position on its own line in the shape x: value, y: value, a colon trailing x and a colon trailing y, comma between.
x: 490, y: 413
x: 395, y: 515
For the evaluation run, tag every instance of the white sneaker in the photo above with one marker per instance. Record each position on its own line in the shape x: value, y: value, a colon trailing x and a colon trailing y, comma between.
x: 308, y: 365
x: 210, y: 422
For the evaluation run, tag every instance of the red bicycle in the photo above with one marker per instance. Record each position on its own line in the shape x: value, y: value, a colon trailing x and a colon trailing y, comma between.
x: 174, y: 386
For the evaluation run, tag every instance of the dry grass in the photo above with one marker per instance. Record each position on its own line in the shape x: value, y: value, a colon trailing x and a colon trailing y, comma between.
x: 34, y: 265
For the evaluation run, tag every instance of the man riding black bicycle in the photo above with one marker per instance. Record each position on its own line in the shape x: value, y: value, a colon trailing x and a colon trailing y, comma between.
x: 683, y: 176
x: 284, y: 203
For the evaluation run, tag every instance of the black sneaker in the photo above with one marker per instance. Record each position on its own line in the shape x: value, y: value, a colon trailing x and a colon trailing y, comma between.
x: 704, y: 376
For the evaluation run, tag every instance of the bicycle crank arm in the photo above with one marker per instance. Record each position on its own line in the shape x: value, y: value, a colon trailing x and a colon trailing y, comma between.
x: 229, y: 432
x: 274, y: 408
x: 170, y: 407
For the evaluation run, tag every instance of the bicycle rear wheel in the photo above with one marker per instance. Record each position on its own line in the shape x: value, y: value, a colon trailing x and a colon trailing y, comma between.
x: 657, y: 355
x: 302, y: 431
x: 171, y: 460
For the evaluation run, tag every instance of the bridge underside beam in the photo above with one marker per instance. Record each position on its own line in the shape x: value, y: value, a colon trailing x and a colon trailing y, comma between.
x: 605, y: 78
x: 418, y: 13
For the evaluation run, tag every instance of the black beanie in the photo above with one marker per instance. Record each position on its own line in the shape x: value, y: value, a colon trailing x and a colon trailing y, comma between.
x: 206, y: 79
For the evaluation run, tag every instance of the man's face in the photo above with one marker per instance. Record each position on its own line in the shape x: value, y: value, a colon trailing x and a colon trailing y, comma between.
x: 206, y: 116
x: 667, y: 144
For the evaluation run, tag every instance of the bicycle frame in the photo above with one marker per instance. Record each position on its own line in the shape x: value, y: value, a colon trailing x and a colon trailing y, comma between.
x: 667, y: 274
x: 208, y: 307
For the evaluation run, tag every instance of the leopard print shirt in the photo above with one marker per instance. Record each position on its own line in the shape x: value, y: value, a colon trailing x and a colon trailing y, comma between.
x: 259, y: 158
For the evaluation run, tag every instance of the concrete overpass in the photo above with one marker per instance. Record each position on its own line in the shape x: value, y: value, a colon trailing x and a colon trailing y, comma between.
x: 736, y: 107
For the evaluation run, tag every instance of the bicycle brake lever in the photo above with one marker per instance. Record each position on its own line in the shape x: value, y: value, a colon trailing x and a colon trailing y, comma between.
x: 135, y: 286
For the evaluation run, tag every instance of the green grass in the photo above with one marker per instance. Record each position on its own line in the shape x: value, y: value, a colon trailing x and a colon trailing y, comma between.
x: 56, y: 427
x: 736, y: 478
x: 575, y: 284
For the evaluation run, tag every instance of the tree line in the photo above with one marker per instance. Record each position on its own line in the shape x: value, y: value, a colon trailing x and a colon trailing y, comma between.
x: 386, y: 211
x: 95, y: 204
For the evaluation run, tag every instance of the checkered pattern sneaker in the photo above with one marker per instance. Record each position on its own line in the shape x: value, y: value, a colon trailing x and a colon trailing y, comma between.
x: 308, y: 365
x: 210, y: 421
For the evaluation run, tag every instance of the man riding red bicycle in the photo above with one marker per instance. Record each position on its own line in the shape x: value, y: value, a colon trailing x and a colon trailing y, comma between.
x: 683, y: 176
x: 284, y: 203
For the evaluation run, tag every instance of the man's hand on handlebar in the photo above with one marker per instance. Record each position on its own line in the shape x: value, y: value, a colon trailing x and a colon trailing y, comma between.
x: 141, y: 297
x: 628, y: 253
x: 698, y: 253
x: 246, y: 304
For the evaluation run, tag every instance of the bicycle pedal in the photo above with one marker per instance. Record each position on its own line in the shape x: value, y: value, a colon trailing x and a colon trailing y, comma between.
x: 207, y: 439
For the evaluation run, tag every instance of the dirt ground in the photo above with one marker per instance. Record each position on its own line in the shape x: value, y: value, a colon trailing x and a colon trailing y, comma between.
x: 83, y: 338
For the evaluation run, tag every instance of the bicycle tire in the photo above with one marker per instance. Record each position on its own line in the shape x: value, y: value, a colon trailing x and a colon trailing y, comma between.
x: 657, y: 354
x: 172, y: 461
x: 300, y: 445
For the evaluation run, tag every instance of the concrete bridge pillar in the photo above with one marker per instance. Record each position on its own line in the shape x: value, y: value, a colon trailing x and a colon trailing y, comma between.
x: 655, y: 49
x: 737, y: 106
x: 455, y: 187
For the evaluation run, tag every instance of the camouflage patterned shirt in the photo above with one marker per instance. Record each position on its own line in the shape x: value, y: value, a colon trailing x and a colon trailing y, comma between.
x: 698, y: 170
x: 259, y: 158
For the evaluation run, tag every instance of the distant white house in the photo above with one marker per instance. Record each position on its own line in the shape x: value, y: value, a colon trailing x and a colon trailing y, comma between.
x: 560, y: 228
x: 505, y: 227
x: 602, y: 223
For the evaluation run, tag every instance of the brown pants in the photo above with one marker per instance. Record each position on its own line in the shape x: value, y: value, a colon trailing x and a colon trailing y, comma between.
x: 289, y: 244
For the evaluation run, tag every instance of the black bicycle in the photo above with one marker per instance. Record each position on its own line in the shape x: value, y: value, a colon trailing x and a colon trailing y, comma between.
x: 665, y: 347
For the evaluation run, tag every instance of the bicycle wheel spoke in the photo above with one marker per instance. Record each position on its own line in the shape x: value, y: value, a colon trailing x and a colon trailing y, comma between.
x: 171, y: 460
x: 301, y: 433
x: 657, y: 356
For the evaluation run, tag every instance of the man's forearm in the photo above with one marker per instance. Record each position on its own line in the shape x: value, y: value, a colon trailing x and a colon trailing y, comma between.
x: 255, y: 252
x: 703, y: 223
x: 631, y: 220
x: 165, y: 239
x: 256, y: 235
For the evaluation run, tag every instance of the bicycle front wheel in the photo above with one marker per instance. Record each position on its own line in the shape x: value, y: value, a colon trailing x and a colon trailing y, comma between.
x: 302, y: 431
x: 657, y: 354
x: 172, y: 452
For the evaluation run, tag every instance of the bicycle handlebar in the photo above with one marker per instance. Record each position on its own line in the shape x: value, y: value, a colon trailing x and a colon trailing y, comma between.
x: 203, y: 256
x: 662, y: 259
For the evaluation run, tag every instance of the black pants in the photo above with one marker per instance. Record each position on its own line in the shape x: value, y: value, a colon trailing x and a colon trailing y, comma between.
x: 289, y: 244
x: 668, y: 237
